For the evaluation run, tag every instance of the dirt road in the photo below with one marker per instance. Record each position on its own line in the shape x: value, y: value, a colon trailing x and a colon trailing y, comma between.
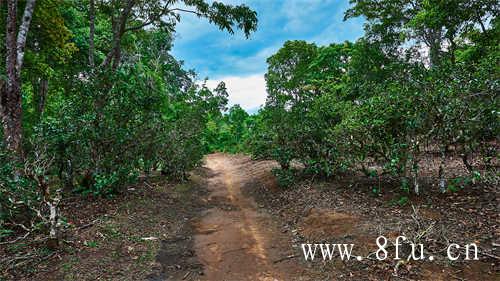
x: 235, y: 240
x: 231, y: 222
x: 239, y: 239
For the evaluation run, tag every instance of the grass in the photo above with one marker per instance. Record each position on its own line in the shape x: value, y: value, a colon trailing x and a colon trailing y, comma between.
x: 91, y: 244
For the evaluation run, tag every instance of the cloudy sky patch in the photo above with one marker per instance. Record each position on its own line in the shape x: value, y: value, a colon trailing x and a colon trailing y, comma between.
x: 241, y: 62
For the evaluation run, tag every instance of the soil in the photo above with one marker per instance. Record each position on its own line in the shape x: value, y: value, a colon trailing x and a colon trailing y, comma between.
x: 231, y: 221
x: 346, y: 210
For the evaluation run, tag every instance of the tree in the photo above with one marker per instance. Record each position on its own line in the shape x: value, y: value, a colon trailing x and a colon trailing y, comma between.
x: 10, y: 90
x: 420, y: 48
x: 303, y: 81
x: 432, y: 25
x: 228, y: 132
x: 421, y: 78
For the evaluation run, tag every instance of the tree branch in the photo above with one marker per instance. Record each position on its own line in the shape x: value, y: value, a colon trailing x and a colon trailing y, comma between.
x: 92, y: 32
x: 188, y: 11
x: 23, y: 32
x: 117, y: 35
x: 133, y: 28
x: 163, y: 12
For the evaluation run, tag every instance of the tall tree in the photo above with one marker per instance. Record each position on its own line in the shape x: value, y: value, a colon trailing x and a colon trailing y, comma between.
x: 10, y: 95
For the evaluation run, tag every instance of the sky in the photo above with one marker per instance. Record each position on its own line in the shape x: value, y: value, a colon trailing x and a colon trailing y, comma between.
x: 240, y: 62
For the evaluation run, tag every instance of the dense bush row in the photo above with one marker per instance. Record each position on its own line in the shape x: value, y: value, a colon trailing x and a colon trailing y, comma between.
x: 103, y: 131
x: 425, y: 77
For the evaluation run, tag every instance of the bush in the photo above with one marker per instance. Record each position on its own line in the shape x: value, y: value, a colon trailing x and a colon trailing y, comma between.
x: 286, y: 177
x: 19, y: 195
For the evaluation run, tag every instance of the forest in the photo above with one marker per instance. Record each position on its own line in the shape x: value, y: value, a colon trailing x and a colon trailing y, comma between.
x: 97, y: 112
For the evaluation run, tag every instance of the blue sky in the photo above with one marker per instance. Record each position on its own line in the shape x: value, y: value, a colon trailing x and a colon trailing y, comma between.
x: 241, y: 62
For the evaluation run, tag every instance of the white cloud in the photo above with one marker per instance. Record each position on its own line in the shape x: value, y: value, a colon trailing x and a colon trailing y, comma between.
x: 247, y: 91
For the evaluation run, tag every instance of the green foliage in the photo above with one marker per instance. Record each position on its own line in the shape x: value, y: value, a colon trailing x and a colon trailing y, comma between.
x: 285, y: 177
x: 5, y: 233
x: 92, y: 129
x: 17, y: 193
x: 91, y: 244
x: 402, y: 201
x: 229, y: 132
x: 304, y: 82
x: 405, y: 185
x: 425, y: 74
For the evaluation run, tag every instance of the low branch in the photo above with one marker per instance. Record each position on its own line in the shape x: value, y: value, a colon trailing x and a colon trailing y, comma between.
x: 17, y: 239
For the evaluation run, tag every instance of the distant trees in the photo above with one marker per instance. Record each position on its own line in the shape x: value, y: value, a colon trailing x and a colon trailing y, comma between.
x: 228, y: 132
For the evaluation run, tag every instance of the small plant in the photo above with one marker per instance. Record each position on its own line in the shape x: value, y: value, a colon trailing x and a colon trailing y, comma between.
x: 476, y: 176
x: 90, y: 244
x: 403, y: 200
x: 372, y: 173
x: 459, y: 183
x: 285, y: 178
x: 405, y: 185
x: 5, y: 233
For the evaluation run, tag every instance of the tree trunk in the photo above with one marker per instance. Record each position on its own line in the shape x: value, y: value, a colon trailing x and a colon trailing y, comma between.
x: 23, y: 32
x: 118, y: 30
x: 442, y: 168
x: 453, y: 47
x: 11, y: 117
x: 43, y: 88
x: 53, y: 241
x: 416, y: 185
x: 92, y: 33
x: 10, y: 101
x: 465, y: 159
x: 414, y: 167
x: 433, y: 40
x: 53, y: 204
x: 10, y: 96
